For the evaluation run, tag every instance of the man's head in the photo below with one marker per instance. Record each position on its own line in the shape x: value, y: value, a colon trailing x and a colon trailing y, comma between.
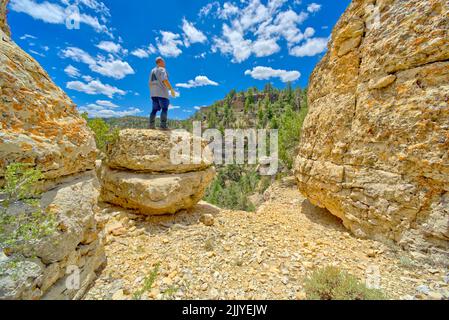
x: 160, y: 62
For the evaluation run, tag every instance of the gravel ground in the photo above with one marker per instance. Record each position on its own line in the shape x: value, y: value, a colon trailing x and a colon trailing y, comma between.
x: 240, y: 255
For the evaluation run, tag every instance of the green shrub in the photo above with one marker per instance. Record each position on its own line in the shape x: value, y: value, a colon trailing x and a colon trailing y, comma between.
x: 331, y: 283
x: 20, y: 229
x: 232, y: 187
x: 104, y: 134
x: 147, y: 283
x: 289, y: 135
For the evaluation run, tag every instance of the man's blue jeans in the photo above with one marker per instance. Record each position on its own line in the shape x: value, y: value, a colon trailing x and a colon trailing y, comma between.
x: 158, y: 105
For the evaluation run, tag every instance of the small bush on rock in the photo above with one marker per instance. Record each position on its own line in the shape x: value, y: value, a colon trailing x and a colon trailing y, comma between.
x: 27, y: 223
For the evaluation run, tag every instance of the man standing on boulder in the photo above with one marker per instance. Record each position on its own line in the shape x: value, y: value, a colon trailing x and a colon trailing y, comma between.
x: 159, y: 87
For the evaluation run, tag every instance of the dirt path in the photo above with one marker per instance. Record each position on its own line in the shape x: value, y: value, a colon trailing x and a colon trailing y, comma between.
x: 263, y: 255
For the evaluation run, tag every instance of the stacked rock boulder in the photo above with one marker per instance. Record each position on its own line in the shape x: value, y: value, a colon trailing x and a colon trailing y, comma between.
x: 375, y: 145
x: 39, y: 126
x: 139, y: 173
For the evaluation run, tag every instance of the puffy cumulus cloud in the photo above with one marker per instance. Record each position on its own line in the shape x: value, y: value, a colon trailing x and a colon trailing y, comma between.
x: 265, y: 47
x: 228, y: 10
x: 233, y: 43
x: 56, y: 14
x: 112, y: 68
x: 314, y: 7
x: 199, y: 81
x: 169, y: 45
x: 95, y: 87
x: 310, y: 48
x: 192, y: 34
x: 265, y: 73
x: 109, y: 67
x: 256, y: 28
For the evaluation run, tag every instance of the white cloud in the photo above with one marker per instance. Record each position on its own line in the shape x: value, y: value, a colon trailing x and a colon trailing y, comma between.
x: 265, y: 73
x: 265, y: 47
x: 27, y: 36
x: 98, y: 111
x: 314, y: 7
x: 207, y: 9
x: 55, y: 14
x: 171, y: 107
x: 95, y: 5
x: 192, y: 34
x: 310, y: 48
x: 201, y: 55
x: 140, y: 53
x: 112, y: 68
x: 78, y: 55
x: 110, y: 47
x: 109, y: 67
x: 228, y: 10
x: 143, y: 53
x: 37, y: 53
x: 309, y: 32
x: 168, y: 46
x: 257, y: 28
x: 106, y: 103
x: 233, y: 43
x: 199, y: 81
x: 87, y: 78
x: 71, y: 71
x: 95, y: 87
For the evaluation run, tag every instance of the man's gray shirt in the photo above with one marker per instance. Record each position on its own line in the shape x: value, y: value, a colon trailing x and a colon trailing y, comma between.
x: 157, y: 86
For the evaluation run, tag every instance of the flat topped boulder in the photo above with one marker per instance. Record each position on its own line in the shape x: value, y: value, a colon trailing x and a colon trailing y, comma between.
x: 154, y: 194
x: 149, y: 151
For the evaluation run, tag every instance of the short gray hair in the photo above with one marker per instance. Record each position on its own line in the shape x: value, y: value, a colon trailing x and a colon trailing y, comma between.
x: 159, y: 59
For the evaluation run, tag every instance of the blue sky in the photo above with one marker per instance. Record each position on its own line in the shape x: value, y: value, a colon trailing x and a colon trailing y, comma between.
x: 101, y: 53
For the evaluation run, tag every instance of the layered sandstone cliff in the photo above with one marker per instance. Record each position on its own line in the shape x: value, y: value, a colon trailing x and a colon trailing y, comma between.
x: 375, y: 146
x: 39, y: 126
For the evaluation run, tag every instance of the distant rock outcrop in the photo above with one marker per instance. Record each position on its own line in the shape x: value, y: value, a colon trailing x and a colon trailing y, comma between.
x: 140, y: 175
x: 39, y: 126
x: 375, y: 145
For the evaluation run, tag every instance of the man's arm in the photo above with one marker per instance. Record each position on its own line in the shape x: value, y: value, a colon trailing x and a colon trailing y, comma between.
x: 169, y: 87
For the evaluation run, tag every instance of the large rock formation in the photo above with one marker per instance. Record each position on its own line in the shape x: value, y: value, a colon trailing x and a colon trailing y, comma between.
x: 140, y: 175
x: 375, y: 145
x: 3, y: 24
x: 39, y: 125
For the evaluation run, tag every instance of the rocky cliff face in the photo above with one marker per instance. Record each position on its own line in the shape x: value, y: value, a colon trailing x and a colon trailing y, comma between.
x: 375, y: 146
x: 39, y: 125
x: 3, y: 24
x: 140, y: 175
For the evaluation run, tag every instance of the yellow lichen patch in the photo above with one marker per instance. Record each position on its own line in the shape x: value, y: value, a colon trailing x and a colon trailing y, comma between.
x: 26, y: 146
